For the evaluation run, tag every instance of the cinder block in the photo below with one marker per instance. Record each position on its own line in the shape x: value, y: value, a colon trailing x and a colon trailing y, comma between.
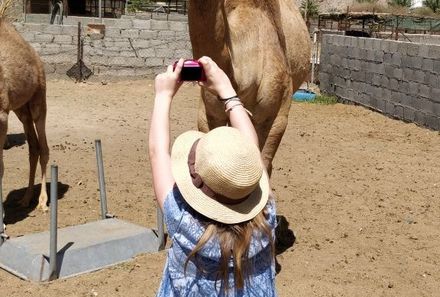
x: 427, y: 106
x: 99, y: 60
x: 432, y: 122
x: 412, y: 49
x: 28, y: 36
x: 435, y: 94
x: 424, y: 91
x: 398, y: 73
x: 159, y: 25
x: 436, y: 108
x: 124, y: 24
x: 434, y: 52
x: 385, y: 46
x: 420, y: 117
x: 417, y: 62
x: 423, y: 50
x: 52, y: 29
x: 380, y: 105
x: 127, y: 53
x: 436, y: 66
x: 396, y: 96
x: 112, y: 32
x: 164, y: 53
x: 404, y: 86
x: 408, y: 74
x: 154, y: 62
x: 148, y: 34
x: 413, y: 88
x: 141, y: 24
x: 394, y: 84
x: 389, y: 108
x: 130, y: 33
x: 186, y: 53
x: 428, y: 65
x: 419, y: 76
x: 409, y: 114
x: 386, y: 94
x: 407, y: 62
x: 166, y: 34
x: 63, y: 39
x: 398, y: 111
x: 44, y: 38
x: 147, y: 53
x: 69, y: 30
x: 396, y: 59
x: 181, y: 27
x: 377, y: 80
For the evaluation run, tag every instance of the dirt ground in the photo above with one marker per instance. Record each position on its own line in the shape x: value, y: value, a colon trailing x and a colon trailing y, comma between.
x: 359, y: 190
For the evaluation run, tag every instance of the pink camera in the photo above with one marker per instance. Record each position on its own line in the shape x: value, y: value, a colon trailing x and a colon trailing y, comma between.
x: 192, y: 70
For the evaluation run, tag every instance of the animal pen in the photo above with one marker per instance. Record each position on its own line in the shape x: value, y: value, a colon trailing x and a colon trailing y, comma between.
x: 84, y: 248
x: 374, y: 23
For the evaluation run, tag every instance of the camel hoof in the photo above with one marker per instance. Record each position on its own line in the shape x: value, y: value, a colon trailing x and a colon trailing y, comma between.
x: 43, y: 207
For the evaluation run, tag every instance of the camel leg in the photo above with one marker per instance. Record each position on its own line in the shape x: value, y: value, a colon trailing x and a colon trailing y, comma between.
x: 25, y: 117
x: 40, y: 125
x: 272, y: 130
x: 213, y: 118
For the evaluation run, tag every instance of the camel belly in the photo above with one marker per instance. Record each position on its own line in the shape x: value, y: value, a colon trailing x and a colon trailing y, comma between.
x: 20, y: 74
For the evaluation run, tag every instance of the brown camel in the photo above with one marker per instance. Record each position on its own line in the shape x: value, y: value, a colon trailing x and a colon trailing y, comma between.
x: 264, y: 47
x: 23, y: 90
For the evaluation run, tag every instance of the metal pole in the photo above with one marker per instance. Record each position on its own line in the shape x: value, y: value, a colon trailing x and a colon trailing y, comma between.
x: 102, y: 195
x: 160, y: 229
x: 3, y: 236
x: 314, y: 54
x: 53, y: 222
x: 99, y: 11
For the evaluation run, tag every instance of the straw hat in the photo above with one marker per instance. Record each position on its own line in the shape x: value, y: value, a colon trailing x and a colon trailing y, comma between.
x: 220, y: 174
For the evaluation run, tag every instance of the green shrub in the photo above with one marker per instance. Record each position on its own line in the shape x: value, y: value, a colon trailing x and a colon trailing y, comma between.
x: 434, y: 5
x: 310, y: 8
x: 404, y: 3
x: 325, y: 99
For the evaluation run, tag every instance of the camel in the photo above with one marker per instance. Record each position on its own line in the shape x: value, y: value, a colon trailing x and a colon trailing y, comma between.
x: 23, y: 90
x: 264, y: 48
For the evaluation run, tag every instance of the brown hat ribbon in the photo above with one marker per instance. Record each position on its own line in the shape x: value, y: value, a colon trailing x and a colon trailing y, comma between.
x: 199, y: 184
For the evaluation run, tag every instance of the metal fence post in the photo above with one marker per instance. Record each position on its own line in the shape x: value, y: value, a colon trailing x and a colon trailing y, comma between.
x: 3, y: 236
x: 160, y: 229
x: 102, y: 194
x: 53, y: 222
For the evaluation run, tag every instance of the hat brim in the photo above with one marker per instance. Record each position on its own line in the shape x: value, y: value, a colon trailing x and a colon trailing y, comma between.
x: 205, y: 205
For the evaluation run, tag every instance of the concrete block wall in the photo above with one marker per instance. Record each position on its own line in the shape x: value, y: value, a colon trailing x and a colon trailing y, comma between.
x: 399, y: 79
x: 130, y: 47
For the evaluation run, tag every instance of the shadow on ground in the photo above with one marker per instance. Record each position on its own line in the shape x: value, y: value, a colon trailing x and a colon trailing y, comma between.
x: 15, y: 213
x: 284, y: 239
x: 14, y: 140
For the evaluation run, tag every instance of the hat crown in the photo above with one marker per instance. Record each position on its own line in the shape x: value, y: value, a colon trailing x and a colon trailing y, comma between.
x: 228, y: 163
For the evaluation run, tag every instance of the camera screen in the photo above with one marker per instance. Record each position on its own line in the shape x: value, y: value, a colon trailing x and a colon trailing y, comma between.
x: 191, y: 73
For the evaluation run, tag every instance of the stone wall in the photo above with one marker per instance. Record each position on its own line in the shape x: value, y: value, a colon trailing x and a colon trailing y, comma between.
x: 400, y: 79
x: 129, y: 47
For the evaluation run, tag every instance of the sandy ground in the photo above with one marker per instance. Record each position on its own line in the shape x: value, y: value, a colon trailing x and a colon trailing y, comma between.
x: 361, y: 192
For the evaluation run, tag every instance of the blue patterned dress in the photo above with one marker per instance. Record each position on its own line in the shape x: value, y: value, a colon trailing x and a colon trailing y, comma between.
x: 185, y: 229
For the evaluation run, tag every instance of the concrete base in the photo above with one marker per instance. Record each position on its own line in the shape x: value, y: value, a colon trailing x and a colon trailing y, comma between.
x: 81, y: 249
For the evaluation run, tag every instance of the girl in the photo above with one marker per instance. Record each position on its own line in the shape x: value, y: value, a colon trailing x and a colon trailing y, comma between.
x: 214, y: 193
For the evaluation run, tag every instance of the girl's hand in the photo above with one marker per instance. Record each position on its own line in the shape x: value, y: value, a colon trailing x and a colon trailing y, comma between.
x: 216, y: 80
x: 167, y: 83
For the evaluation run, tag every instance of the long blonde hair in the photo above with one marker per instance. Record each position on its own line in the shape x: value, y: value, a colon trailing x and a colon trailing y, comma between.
x: 234, y: 242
